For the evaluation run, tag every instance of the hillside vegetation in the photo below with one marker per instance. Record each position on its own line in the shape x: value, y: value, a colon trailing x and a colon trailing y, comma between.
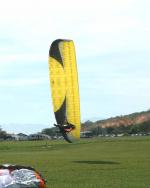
x: 131, y: 124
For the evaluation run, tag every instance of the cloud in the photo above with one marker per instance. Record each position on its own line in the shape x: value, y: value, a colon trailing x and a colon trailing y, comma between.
x: 24, y: 57
x: 112, y: 43
x: 23, y: 82
x: 100, y: 25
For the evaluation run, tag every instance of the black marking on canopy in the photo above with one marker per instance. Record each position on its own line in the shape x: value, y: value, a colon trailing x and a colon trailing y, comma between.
x: 64, y: 132
x: 16, y: 167
x: 66, y: 137
x: 54, y: 51
x: 60, y: 114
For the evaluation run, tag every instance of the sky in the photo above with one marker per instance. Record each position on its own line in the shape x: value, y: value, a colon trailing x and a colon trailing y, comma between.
x: 113, y: 57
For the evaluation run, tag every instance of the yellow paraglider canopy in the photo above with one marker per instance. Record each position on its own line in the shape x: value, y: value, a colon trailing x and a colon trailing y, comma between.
x: 64, y: 87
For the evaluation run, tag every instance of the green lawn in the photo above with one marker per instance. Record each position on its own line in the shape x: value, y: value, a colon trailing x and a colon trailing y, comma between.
x: 102, y: 163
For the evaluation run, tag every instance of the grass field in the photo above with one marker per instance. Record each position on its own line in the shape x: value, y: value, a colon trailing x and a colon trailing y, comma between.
x: 92, y: 163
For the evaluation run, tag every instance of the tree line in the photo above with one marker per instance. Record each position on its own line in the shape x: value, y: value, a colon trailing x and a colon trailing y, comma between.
x: 3, y: 134
x: 142, y: 128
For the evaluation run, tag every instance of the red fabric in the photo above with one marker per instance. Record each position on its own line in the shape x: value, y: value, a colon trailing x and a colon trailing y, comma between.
x: 42, y: 183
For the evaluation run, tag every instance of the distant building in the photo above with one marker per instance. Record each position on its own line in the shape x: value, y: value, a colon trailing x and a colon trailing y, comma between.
x: 22, y: 136
x: 39, y: 137
x: 18, y: 137
x: 86, y: 134
x: 12, y: 137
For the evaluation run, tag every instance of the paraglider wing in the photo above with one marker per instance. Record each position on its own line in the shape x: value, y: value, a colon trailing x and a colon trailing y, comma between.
x: 64, y: 86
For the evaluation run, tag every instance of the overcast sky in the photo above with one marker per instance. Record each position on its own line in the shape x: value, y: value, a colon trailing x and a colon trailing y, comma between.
x: 112, y: 40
